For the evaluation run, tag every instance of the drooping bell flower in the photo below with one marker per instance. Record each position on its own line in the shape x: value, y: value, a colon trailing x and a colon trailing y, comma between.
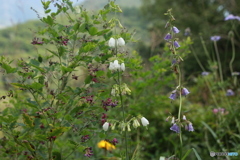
x: 189, y: 127
x: 176, y: 44
x: 105, y: 126
x: 175, y: 29
x: 120, y: 41
x: 144, y: 121
x: 173, y: 95
x: 168, y: 37
x: 175, y: 128
x: 112, y: 42
x: 185, y: 91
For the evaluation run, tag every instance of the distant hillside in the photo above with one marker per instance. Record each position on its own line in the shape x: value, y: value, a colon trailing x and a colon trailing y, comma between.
x: 98, y: 4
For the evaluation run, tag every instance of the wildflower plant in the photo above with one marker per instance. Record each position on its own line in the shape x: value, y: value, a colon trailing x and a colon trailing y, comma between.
x: 59, y: 99
x: 173, y: 43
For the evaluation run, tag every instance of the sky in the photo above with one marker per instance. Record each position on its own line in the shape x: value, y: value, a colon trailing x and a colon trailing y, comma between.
x: 18, y: 11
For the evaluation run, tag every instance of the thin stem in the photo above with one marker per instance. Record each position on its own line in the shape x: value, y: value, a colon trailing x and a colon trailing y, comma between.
x: 219, y: 61
x: 233, y: 55
x: 204, y: 47
x: 180, y: 108
x: 198, y: 61
x: 123, y: 114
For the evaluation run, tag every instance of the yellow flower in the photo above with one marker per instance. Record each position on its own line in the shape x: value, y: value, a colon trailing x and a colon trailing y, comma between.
x: 106, y: 145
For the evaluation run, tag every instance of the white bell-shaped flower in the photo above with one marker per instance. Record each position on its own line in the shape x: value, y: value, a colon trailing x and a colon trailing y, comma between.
x: 116, y: 65
x: 122, y: 67
x: 111, y: 66
x: 112, y: 42
x: 120, y: 41
x: 105, y: 126
x: 144, y: 121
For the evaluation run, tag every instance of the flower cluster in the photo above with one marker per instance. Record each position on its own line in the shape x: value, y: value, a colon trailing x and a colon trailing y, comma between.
x: 123, y: 125
x: 116, y: 42
x: 176, y: 126
x: 219, y: 110
x: 123, y: 88
x: 88, y: 152
x: 109, y: 102
x: 169, y: 36
x: 174, y: 94
x: 115, y: 66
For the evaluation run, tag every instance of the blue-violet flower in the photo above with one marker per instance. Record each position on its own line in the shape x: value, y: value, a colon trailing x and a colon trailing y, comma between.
x: 175, y: 128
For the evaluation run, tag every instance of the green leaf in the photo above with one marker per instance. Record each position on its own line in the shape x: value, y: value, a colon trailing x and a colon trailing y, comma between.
x: 40, y: 137
x: 45, y: 4
x: 8, y: 68
x: 186, y: 154
x: 57, y: 155
x: 27, y: 120
x: 61, y: 50
x: 76, y: 27
x: 66, y: 69
x: 88, y: 79
x: 72, y: 142
x: 196, y: 154
x: 54, y: 53
x: 82, y: 27
x: 36, y: 86
x: 93, y: 31
x: 102, y: 32
x: 18, y: 85
x: 58, y: 131
x: 48, y: 11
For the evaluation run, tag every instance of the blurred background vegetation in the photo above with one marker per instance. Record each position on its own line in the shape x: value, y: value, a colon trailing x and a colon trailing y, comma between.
x: 151, y: 86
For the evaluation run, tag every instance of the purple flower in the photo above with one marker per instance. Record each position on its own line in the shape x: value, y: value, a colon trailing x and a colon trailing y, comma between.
x: 175, y: 29
x: 185, y: 92
x: 229, y: 93
x: 175, y: 128
x: 168, y: 37
x: 176, y: 44
x: 174, y: 61
x: 189, y: 127
x: 232, y: 17
x: 215, y: 38
x: 205, y: 73
x: 88, y: 152
x: 173, y: 95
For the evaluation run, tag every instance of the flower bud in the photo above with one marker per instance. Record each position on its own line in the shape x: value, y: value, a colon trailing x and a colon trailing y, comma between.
x: 136, y: 123
x: 144, y: 121
x: 105, y: 126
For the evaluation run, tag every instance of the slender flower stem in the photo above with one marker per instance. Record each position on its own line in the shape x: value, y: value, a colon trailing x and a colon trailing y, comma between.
x: 219, y: 61
x: 233, y: 55
x: 180, y: 108
x: 123, y: 114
